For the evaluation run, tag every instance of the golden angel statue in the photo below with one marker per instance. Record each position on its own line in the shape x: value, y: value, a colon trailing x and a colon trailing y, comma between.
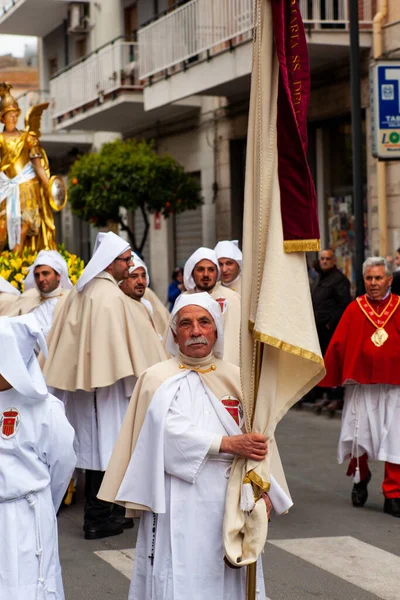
x: 27, y: 192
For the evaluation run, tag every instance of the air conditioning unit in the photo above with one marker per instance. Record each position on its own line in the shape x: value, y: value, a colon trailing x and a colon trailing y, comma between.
x: 78, y: 21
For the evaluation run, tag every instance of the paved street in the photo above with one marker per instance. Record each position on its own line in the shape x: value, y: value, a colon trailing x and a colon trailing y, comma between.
x: 324, y: 549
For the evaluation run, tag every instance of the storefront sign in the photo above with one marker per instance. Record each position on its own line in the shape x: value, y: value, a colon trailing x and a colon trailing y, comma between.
x: 385, y: 110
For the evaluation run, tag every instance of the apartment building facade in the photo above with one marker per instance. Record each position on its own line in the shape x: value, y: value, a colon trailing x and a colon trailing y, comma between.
x: 179, y: 73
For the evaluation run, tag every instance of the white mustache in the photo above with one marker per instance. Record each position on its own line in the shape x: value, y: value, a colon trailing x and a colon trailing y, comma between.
x: 196, y: 340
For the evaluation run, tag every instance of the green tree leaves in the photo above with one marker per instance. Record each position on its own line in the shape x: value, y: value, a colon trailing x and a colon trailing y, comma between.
x: 129, y: 174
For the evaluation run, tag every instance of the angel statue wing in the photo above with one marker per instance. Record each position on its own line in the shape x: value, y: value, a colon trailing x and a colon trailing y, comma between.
x: 33, y: 118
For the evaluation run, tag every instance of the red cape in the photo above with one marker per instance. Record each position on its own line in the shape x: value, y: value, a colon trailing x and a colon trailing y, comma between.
x: 351, y: 355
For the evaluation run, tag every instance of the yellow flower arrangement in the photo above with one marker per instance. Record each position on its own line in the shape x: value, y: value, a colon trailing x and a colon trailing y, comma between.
x: 14, y: 268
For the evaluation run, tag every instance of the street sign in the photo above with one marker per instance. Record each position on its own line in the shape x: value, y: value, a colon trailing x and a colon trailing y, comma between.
x: 385, y: 109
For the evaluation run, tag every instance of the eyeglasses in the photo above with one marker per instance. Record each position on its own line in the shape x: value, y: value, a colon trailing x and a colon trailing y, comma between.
x: 126, y: 260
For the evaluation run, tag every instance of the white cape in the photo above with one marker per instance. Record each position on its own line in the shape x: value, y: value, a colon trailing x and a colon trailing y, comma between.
x: 187, y: 490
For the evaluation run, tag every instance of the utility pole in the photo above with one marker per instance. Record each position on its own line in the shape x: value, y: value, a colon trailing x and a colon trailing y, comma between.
x: 356, y: 134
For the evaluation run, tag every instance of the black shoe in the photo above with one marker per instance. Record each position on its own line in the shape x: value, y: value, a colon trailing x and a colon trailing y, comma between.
x: 106, y: 529
x: 359, y: 493
x: 333, y: 406
x: 320, y: 405
x: 124, y: 522
x: 392, y: 507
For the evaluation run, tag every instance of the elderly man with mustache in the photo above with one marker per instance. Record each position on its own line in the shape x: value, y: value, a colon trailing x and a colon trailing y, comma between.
x: 183, y: 429
x: 202, y: 274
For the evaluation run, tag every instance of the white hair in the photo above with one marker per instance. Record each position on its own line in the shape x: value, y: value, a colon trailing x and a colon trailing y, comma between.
x: 376, y: 261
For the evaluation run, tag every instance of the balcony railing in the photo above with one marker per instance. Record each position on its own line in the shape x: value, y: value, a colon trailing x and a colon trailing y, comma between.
x: 205, y: 27
x: 95, y: 78
x: 31, y: 98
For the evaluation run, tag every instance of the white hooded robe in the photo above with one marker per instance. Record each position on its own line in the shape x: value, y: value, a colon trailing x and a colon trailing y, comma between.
x: 35, y: 468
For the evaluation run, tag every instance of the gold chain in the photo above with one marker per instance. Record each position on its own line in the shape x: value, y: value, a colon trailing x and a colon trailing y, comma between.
x: 197, y: 369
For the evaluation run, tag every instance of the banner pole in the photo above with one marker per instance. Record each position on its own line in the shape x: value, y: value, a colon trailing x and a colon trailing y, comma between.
x: 251, y: 573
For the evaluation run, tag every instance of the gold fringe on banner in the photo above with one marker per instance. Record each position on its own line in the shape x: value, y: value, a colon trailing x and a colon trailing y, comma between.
x: 272, y: 341
x: 302, y: 245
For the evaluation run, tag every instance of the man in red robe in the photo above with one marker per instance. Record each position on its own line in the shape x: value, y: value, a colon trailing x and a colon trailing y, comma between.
x: 364, y: 356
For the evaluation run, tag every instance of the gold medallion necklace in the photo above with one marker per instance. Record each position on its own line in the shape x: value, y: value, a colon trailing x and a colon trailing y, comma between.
x: 379, y: 321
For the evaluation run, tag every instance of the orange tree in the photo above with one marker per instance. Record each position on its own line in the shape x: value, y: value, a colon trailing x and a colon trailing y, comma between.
x: 131, y: 175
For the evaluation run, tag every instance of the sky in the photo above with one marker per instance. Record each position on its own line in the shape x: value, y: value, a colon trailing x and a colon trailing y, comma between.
x: 15, y: 44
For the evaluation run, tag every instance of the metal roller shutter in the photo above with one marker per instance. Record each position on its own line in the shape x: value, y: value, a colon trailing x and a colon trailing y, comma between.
x: 188, y: 234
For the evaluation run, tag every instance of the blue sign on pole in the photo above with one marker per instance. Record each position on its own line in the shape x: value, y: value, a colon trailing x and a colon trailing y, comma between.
x: 385, y: 109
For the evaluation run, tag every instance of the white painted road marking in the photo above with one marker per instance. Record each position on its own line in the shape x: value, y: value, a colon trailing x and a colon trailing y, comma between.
x: 361, y: 564
x: 122, y: 560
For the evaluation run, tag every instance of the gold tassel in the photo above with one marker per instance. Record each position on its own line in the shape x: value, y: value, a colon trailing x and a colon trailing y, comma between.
x: 70, y: 493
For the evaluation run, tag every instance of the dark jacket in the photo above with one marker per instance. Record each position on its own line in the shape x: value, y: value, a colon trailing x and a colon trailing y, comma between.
x: 396, y: 283
x: 173, y: 293
x: 330, y: 296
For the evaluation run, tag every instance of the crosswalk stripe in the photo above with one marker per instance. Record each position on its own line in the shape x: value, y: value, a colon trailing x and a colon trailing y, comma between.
x: 361, y: 564
x: 122, y: 560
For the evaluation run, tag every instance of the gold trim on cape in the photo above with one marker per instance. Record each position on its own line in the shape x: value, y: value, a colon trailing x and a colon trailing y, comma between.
x: 43, y: 298
x: 286, y: 347
x: 302, y: 245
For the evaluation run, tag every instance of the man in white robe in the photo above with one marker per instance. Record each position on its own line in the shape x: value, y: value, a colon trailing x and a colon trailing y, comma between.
x: 8, y: 296
x: 202, y: 274
x: 98, y: 346
x: 45, y: 285
x: 37, y: 460
x: 230, y: 264
x: 172, y: 461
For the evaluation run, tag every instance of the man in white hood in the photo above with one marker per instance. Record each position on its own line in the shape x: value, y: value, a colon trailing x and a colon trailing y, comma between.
x: 98, y: 346
x: 159, y: 313
x: 202, y: 274
x: 37, y: 460
x: 230, y: 260
x: 136, y: 287
x: 183, y: 428
x: 44, y: 286
x: 8, y: 296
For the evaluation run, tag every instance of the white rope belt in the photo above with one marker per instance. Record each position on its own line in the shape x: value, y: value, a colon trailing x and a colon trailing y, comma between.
x: 41, y: 588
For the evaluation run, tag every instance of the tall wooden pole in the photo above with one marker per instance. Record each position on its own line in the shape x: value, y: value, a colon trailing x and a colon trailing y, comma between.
x: 251, y: 581
x: 251, y: 574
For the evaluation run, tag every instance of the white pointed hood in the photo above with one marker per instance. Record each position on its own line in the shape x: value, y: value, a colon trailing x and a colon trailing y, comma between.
x: 19, y: 365
x: 138, y: 262
x: 229, y: 249
x: 53, y: 259
x: 99, y: 238
x: 204, y: 300
x: 200, y: 254
x: 110, y: 248
x: 5, y: 286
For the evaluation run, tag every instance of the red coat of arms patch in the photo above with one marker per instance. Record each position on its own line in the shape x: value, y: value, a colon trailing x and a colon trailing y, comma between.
x: 10, y: 421
x: 234, y: 408
x: 223, y: 304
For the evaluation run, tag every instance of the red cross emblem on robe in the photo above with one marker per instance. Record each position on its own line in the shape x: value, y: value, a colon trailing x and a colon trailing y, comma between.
x: 9, y: 423
x: 234, y: 408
